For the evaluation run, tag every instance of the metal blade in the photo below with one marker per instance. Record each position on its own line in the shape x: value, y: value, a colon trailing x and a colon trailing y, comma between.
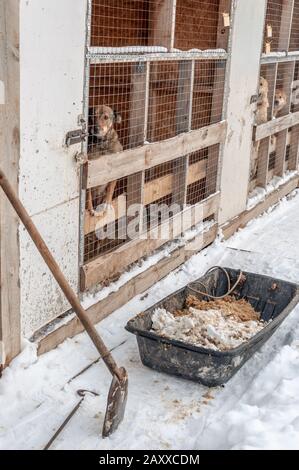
x: 116, y: 403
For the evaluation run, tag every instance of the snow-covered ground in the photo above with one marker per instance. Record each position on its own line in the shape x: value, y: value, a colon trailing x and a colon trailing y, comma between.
x: 257, y: 409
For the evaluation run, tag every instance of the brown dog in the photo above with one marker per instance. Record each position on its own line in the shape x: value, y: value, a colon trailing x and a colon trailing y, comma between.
x: 103, y: 140
x: 280, y: 101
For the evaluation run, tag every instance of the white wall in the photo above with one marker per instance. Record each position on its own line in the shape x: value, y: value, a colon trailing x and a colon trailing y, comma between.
x: 247, y: 35
x: 52, y: 41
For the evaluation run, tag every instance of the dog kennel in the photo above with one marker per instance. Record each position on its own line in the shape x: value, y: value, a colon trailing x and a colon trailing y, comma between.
x: 279, y: 137
x: 183, y: 75
x: 143, y: 68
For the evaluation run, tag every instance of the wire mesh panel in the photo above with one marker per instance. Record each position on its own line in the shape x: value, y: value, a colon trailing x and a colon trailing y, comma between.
x: 294, y: 39
x: 208, y: 92
x: 278, y: 25
x: 201, y: 24
x: 168, y: 24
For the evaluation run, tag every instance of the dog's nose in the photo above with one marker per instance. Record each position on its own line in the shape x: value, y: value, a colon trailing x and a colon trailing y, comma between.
x: 276, y: 102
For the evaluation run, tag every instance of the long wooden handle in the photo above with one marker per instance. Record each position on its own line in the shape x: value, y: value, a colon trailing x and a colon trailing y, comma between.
x: 59, y: 276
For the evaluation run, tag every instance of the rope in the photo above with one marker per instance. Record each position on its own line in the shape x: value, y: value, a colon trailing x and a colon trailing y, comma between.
x: 230, y: 289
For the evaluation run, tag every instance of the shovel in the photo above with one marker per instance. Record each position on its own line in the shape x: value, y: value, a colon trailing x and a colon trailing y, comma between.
x: 118, y: 392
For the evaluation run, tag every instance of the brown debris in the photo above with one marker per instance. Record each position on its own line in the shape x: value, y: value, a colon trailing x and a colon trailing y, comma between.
x: 240, y: 310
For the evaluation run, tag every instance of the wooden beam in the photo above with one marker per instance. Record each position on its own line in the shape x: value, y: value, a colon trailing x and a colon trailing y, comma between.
x: 263, y: 163
x: 280, y: 150
x: 110, y: 264
x: 135, y: 286
x: 275, y: 126
x: 10, y: 317
x: 228, y: 229
x: 110, y: 167
x: 162, y: 23
x: 153, y: 190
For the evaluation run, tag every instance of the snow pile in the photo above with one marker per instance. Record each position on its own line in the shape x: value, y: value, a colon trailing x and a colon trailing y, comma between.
x: 211, y: 328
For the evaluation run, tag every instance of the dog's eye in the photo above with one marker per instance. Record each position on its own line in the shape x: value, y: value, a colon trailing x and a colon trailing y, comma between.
x: 106, y: 117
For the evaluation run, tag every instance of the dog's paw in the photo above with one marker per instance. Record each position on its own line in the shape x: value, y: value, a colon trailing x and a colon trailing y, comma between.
x: 102, y: 210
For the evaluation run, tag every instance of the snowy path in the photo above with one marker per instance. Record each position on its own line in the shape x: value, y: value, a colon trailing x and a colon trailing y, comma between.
x: 258, y: 408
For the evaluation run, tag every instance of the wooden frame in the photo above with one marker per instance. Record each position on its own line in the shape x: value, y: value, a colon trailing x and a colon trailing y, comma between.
x: 111, y: 264
x: 10, y: 321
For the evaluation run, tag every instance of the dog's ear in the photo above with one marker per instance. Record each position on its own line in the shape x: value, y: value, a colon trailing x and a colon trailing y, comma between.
x: 117, y: 117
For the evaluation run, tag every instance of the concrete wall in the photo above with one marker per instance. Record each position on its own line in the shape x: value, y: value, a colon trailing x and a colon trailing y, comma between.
x: 246, y: 44
x: 52, y: 40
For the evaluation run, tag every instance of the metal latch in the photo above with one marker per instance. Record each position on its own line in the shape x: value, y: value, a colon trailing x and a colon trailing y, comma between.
x: 75, y: 137
x: 79, y: 135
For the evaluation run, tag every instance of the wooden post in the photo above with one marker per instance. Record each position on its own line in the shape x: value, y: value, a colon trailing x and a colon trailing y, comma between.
x: 183, y: 112
x: 162, y: 23
x: 138, y: 125
x: 10, y: 321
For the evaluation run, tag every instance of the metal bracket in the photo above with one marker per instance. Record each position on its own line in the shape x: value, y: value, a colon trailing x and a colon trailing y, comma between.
x: 253, y: 99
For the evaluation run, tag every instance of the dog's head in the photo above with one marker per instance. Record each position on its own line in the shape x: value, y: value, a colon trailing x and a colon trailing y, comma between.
x: 101, y: 121
x: 263, y: 89
x: 280, y: 100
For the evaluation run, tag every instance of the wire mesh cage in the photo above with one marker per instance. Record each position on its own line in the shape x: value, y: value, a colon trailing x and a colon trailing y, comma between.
x: 139, y: 95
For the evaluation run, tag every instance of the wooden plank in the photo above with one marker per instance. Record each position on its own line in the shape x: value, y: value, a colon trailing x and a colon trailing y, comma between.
x: 110, y: 167
x: 136, y: 286
x: 263, y: 163
x: 294, y: 149
x: 276, y: 125
x: 10, y: 317
x: 162, y: 23
x: 228, y: 229
x: 111, y: 264
x: 153, y: 190
x: 163, y: 186
x: 280, y: 150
